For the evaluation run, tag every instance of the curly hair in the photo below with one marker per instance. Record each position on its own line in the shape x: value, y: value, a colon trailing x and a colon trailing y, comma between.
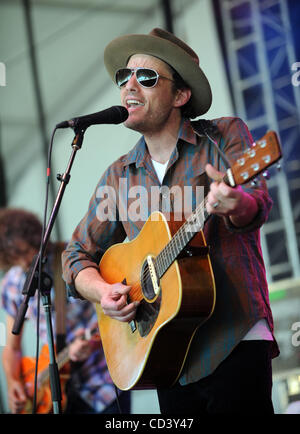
x: 19, y: 229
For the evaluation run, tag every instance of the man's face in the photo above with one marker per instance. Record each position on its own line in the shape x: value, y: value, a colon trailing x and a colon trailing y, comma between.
x: 149, y: 109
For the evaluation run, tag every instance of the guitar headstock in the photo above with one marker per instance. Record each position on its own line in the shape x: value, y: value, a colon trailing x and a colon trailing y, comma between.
x: 261, y: 155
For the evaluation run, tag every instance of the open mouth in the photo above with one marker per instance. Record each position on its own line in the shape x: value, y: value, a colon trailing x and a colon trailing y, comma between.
x: 133, y: 103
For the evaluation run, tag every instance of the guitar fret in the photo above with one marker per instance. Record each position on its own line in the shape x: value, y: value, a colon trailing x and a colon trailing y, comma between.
x: 181, y: 240
x: 159, y: 262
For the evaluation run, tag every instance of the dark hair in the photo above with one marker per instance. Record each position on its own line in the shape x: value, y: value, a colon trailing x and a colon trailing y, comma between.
x: 179, y: 84
x: 19, y: 229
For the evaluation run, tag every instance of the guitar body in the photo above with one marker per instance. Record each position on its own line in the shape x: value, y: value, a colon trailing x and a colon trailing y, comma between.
x: 151, y: 351
x: 44, y: 400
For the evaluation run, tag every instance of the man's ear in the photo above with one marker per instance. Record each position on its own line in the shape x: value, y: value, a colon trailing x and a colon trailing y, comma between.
x: 182, y: 97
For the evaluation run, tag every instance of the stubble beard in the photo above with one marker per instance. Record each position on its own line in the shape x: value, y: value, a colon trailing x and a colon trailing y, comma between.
x: 151, y: 125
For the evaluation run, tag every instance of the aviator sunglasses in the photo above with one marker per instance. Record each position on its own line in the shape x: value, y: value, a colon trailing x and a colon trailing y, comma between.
x: 146, y: 77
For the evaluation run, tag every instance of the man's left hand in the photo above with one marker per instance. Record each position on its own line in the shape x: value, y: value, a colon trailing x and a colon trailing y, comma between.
x: 224, y: 200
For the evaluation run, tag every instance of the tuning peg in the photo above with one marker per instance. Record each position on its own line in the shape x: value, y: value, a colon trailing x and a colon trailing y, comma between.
x: 278, y: 166
x: 266, y: 174
x: 254, y: 181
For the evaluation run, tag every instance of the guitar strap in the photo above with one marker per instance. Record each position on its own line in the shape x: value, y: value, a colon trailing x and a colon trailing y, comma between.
x: 203, y: 127
x: 60, y: 297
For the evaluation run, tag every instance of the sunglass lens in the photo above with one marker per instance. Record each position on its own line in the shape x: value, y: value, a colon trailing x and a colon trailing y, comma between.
x: 122, y: 76
x: 146, y: 77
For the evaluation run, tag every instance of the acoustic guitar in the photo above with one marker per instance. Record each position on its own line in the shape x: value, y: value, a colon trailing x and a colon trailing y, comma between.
x: 169, y: 270
x: 44, y: 399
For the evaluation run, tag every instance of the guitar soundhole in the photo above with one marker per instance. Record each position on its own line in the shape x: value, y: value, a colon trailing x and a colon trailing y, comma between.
x: 148, y: 309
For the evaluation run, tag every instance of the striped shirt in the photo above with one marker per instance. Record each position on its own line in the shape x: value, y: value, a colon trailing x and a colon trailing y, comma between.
x: 126, y: 195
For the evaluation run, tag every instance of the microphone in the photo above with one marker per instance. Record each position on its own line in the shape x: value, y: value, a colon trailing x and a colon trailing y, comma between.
x: 113, y: 115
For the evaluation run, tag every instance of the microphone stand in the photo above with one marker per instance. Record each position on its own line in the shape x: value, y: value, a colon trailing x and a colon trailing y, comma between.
x: 31, y: 285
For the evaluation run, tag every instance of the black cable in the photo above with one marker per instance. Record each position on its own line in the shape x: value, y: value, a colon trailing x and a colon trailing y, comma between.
x: 204, y: 127
x: 41, y: 253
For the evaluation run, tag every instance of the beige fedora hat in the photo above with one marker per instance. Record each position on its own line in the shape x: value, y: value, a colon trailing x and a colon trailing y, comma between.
x: 170, y: 49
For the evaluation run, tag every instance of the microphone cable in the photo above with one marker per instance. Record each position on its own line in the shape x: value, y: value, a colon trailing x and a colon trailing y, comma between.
x: 41, y: 251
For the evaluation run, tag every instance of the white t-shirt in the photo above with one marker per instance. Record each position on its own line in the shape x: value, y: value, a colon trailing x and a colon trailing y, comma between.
x: 160, y: 169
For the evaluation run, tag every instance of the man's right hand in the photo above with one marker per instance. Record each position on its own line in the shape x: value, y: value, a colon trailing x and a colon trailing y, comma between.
x: 112, y: 297
x: 114, y: 303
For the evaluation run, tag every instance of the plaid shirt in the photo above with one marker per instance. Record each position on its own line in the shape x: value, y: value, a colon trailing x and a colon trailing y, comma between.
x: 241, y: 287
x: 91, y: 379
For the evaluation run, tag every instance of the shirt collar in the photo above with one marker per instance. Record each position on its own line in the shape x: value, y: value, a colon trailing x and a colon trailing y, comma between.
x: 139, y: 153
x: 186, y: 132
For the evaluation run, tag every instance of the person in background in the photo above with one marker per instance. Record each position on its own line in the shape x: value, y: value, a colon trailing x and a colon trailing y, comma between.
x: 90, y: 388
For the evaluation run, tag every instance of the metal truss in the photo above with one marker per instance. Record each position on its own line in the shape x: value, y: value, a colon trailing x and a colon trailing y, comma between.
x: 261, y: 58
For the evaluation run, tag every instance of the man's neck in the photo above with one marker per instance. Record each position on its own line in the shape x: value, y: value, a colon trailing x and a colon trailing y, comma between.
x: 161, y: 144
